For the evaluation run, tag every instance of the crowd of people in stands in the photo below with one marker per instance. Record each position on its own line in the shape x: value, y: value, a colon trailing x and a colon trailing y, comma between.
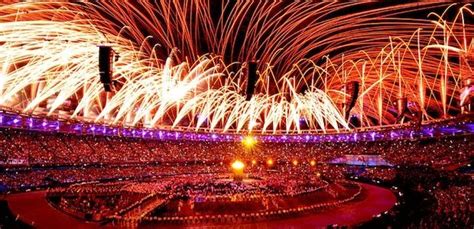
x: 430, y: 198
x: 27, y: 148
x: 36, y: 159
x: 453, y: 194
x: 384, y: 174
x: 43, y: 178
x: 454, y: 207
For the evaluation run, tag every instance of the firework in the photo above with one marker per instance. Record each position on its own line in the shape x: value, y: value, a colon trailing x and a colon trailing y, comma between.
x: 187, y: 71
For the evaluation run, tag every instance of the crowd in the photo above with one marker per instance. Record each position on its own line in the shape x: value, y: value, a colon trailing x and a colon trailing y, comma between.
x: 44, y: 178
x: 379, y: 174
x: 27, y: 148
x: 35, y: 159
x: 262, y: 207
x: 40, y: 160
x: 93, y: 201
x: 188, y: 196
x: 428, y: 198
x: 453, y: 195
x: 455, y: 206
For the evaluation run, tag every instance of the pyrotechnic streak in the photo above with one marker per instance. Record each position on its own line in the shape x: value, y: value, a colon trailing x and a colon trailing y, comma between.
x: 49, y: 58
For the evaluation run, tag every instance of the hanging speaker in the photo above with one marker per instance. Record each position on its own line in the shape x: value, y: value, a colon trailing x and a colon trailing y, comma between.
x: 105, y: 66
x: 251, y: 80
x: 353, y: 87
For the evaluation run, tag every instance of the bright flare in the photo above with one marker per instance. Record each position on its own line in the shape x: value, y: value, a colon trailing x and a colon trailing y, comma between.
x: 238, y: 165
x: 269, y: 162
x: 249, y: 141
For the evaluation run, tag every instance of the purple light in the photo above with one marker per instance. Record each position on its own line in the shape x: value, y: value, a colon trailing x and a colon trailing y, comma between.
x: 30, y: 122
x: 372, y: 134
x: 430, y: 130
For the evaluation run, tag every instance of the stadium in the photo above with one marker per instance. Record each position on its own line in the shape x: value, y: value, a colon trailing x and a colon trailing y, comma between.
x: 247, y: 114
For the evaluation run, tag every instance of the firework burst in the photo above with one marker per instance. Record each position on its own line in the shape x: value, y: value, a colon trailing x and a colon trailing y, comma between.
x: 180, y: 65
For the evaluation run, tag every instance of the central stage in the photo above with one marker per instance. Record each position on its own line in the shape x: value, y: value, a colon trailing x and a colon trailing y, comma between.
x: 33, y: 208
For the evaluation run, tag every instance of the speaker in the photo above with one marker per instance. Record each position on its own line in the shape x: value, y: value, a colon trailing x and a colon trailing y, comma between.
x: 251, y: 80
x: 353, y: 87
x: 105, y: 66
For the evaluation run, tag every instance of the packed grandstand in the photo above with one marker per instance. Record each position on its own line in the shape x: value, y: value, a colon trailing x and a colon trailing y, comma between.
x: 200, y: 114
x: 175, y: 181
